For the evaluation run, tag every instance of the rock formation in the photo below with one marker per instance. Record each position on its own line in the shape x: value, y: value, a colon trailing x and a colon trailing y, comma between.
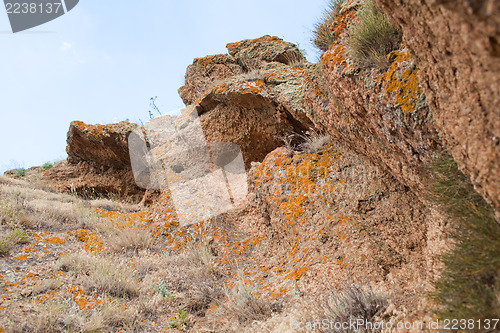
x: 98, y: 163
x: 350, y: 207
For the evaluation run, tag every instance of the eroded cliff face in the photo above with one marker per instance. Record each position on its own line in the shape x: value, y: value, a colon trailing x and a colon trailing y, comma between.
x: 379, y: 113
x: 456, y: 45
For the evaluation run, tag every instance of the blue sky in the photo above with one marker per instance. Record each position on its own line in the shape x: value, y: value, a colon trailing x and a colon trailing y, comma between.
x: 102, y: 61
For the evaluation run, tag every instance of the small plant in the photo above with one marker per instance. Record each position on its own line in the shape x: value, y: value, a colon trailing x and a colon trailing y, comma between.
x: 152, y: 105
x: 371, y: 37
x: 21, y: 172
x: 17, y: 236
x: 288, y: 141
x: 47, y: 166
x: 4, y: 248
x: 246, y: 305
x: 161, y: 287
x: 314, y: 141
x: 181, y: 322
x: 323, y: 35
x: 353, y: 303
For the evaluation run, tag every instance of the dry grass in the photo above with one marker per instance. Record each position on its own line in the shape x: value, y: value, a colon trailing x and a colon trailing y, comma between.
x: 131, y: 238
x: 314, y: 141
x: 46, y: 285
x: 34, y: 208
x: 110, y: 315
x: 323, y: 35
x: 102, y: 274
x: 114, y: 206
x: 355, y: 302
x: 372, y: 37
x: 246, y: 306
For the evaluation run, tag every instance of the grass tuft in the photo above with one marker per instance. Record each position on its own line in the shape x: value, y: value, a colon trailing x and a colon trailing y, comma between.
x: 47, y: 166
x: 469, y: 286
x: 353, y: 303
x: 314, y: 141
x: 372, y: 37
x: 102, y: 275
x: 323, y: 35
x: 246, y: 306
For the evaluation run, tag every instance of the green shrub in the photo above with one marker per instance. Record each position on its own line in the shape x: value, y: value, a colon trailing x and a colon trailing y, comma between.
x: 371, y: 37
x: 21, y: 172
x: 322, y: 34
x: 470, y: 283
x: 47, y: 166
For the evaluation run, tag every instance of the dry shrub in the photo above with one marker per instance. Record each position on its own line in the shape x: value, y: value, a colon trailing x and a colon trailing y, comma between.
x: 355, y: 302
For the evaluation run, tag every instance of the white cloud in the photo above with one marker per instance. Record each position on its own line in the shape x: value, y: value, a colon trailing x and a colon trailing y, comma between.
x: 65, y: 47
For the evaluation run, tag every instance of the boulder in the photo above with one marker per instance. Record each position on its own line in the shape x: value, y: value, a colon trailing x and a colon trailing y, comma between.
x: 98, y: 163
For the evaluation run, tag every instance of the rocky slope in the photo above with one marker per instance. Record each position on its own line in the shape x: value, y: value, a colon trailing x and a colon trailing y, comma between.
x: 321, y: 211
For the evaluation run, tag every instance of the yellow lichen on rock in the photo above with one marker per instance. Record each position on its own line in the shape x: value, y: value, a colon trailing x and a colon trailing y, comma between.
x: 405, y: 84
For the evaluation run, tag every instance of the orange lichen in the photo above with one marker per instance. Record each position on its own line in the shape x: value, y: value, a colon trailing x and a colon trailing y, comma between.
x: 92, y: 241
x: 96, y: 132
x: 266, y: 38
x: 54, y: 240
x: 341, y: 22
x: 335, y: 56
x: 83, y: 302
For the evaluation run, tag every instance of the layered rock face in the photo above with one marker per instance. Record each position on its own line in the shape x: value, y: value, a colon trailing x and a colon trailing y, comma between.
x: 379, y: 113
x: 456, y: 44
x: 251, y: 96
x: 98, y: 162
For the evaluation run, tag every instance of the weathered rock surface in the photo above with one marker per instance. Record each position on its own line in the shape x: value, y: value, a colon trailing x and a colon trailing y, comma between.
x: 381, y: 114
x: 98, y: 162
x: 250, y: 108
x: 456, y: 44
x: 204, y: 73
x: 254, y: 53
